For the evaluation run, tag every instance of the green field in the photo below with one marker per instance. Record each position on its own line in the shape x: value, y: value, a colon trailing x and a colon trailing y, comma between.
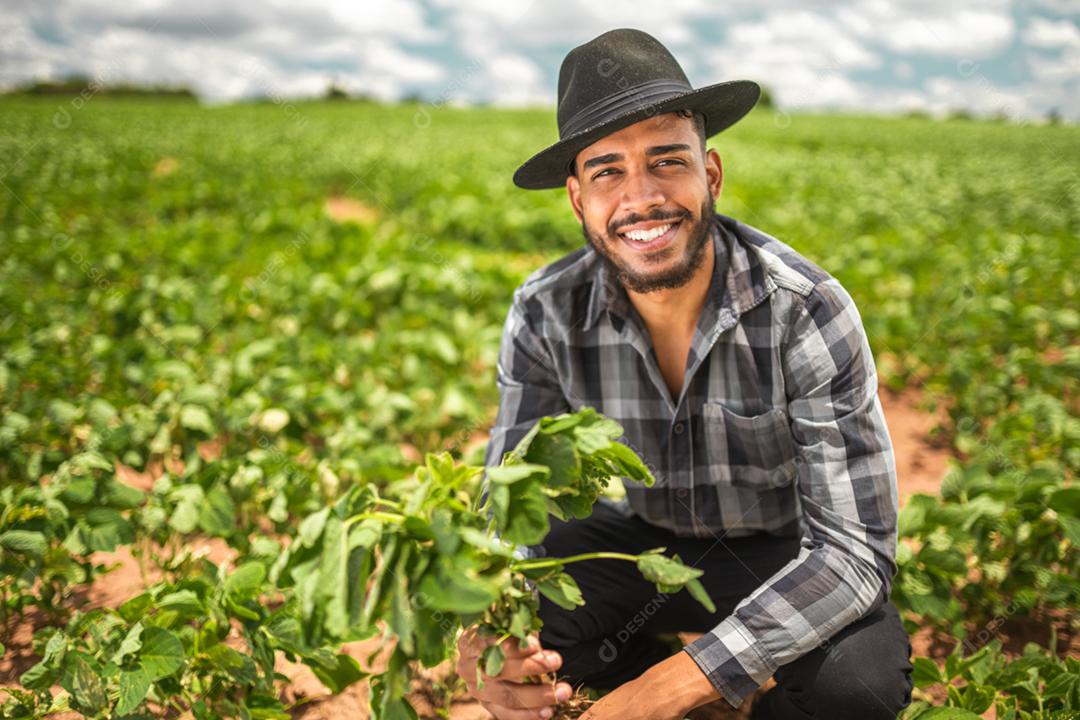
x: 172, y: 277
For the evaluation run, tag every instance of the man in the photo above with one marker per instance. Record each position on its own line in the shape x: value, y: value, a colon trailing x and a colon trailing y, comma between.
x: 741, y: 373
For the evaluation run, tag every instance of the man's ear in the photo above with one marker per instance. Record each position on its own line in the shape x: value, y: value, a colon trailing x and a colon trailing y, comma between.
x: 573, y: 192
x: 714, y: 172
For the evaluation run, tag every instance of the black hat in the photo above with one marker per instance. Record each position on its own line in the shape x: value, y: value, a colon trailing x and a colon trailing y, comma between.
x: 616, y: 80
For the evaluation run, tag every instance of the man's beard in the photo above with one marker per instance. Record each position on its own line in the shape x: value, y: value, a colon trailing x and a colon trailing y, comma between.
x: 680, y: 273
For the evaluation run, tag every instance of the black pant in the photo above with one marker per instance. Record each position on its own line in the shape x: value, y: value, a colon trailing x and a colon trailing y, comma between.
x: 862, y: 672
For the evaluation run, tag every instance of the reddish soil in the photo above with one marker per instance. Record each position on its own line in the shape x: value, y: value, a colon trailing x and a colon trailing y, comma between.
x: 921, y: 458
x: 346, y: 210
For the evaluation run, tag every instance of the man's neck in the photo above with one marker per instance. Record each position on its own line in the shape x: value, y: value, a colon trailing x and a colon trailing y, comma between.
x: 676, y: 310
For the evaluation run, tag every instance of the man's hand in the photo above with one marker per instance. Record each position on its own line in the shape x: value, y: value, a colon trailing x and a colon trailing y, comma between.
x: 507, y: 696
x: 666, y: 691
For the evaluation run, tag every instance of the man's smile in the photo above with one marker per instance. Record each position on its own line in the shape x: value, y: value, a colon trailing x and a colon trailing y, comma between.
x: 649, y: 236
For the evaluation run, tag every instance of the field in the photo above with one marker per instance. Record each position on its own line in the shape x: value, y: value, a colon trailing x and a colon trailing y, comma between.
x: 218, y: 322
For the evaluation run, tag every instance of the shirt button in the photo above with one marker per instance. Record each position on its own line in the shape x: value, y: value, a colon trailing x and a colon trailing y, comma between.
x: 679, y: 427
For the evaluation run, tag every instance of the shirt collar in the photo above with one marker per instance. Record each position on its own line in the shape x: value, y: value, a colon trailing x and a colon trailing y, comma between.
x: 739, y: 282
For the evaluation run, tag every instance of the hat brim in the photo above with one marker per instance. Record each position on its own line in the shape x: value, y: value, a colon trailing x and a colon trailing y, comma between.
x: 722, y: 104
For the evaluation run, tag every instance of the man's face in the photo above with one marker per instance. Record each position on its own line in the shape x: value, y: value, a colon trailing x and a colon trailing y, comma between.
x: 648, y: 178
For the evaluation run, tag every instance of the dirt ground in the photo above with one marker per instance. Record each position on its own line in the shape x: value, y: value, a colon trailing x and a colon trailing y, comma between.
x: 921, y: 463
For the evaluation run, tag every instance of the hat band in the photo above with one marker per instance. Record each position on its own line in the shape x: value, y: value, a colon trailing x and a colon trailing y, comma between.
x: 643, y: 95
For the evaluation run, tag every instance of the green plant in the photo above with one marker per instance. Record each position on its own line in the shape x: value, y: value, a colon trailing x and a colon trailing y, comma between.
x: 1035, y: 686
x: 205, y: 645
x: 435, y: 560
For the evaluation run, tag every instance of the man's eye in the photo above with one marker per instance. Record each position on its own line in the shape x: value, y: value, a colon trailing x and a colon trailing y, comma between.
x: 602, y: 172
x: 671, y: 160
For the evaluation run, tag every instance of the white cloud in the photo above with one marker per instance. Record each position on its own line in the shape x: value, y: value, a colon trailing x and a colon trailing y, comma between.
x: 1044, y: 33
x: 962, y: 28
x: 513, y: 80
x: 207, y: 45
x: 784, y: 52
x: 1064, y: 69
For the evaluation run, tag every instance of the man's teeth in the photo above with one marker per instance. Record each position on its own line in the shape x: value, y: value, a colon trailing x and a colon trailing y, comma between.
x: 646, y: 235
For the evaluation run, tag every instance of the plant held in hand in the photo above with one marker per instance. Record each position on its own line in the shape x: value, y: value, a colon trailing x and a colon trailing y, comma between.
x: 436, y: 559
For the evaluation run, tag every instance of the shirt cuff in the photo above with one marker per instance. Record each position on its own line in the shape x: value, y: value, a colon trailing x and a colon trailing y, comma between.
x: 729, y: 657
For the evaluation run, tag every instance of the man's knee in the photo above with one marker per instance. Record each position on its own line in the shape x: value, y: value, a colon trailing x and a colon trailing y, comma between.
x: 853, y: 682
x: 864, y: 671
x: 856, y: 693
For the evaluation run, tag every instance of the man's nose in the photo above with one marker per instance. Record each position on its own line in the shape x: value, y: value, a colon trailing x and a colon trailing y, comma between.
x: 641, y: 192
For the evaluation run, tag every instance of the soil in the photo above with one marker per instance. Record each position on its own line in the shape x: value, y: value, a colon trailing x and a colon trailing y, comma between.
x: 346, y: 210
x: 922, y: 453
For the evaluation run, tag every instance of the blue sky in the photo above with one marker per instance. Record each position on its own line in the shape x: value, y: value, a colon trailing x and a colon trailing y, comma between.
x: 1020, y: 59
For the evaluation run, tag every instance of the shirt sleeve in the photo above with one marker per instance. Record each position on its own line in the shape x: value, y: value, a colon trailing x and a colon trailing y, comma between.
x: 846, y: 484
x: 528, y: 386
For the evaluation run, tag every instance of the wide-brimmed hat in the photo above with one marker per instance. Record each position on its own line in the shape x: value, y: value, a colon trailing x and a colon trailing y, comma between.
x: 616, y: 80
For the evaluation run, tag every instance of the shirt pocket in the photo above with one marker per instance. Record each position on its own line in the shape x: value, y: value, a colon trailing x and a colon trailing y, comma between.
x: 753, y: 451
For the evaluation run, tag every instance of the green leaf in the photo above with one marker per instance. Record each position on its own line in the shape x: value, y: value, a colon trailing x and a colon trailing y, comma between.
x: 697, y: 591
x: 667, y: 573
x: 183, y: 602
x: 162, y: 653
x: 493, y: 659
x: 524, y: 520
x: 333, y: 588
x: 557, y: 453
x: 450, y: 589
x: 82, y: 681
x: 27, y: 542
x: 510, y: 474
x: 79, y: 491
x: 401, y: 620
x: 55, y: 650
x: 120, y: 495
x: 948, y: 713
x: 596, y: 432
x: 238, y: 666
x: 630, y: 464
x: 245, y: 581
x: 345, y: 672
x: 217, y: 516
x: 130, y: 644
x: 195, y: 417
x: 39, y: 677
x: 134, y: 686
x: 926, y: 672
x: 185, y: 516
x: 562, y: 590
x: 311, y: 527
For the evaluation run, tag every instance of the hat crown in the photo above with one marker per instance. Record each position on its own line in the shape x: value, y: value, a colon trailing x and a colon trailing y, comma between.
x: 609, y: 64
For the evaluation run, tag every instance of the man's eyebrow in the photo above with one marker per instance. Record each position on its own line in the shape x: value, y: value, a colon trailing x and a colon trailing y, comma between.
x: 601, y: 160
x: 664, y: 149
x: 615, y: 157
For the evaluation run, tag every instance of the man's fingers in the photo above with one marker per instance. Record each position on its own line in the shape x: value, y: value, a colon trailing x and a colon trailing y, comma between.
x: 513, y: 648
x: 536, y: 664
x: 473, y: 643
x: 514, y: 668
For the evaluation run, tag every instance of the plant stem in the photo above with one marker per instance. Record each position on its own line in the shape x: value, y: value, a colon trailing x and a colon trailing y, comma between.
x: 376, y: 515
x: 552, y: 562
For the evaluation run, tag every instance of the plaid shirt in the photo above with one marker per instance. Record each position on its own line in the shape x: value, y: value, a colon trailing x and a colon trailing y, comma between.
x: 778, y: 428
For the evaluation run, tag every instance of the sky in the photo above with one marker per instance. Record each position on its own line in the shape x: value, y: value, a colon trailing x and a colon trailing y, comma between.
x: 1020, y: 59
